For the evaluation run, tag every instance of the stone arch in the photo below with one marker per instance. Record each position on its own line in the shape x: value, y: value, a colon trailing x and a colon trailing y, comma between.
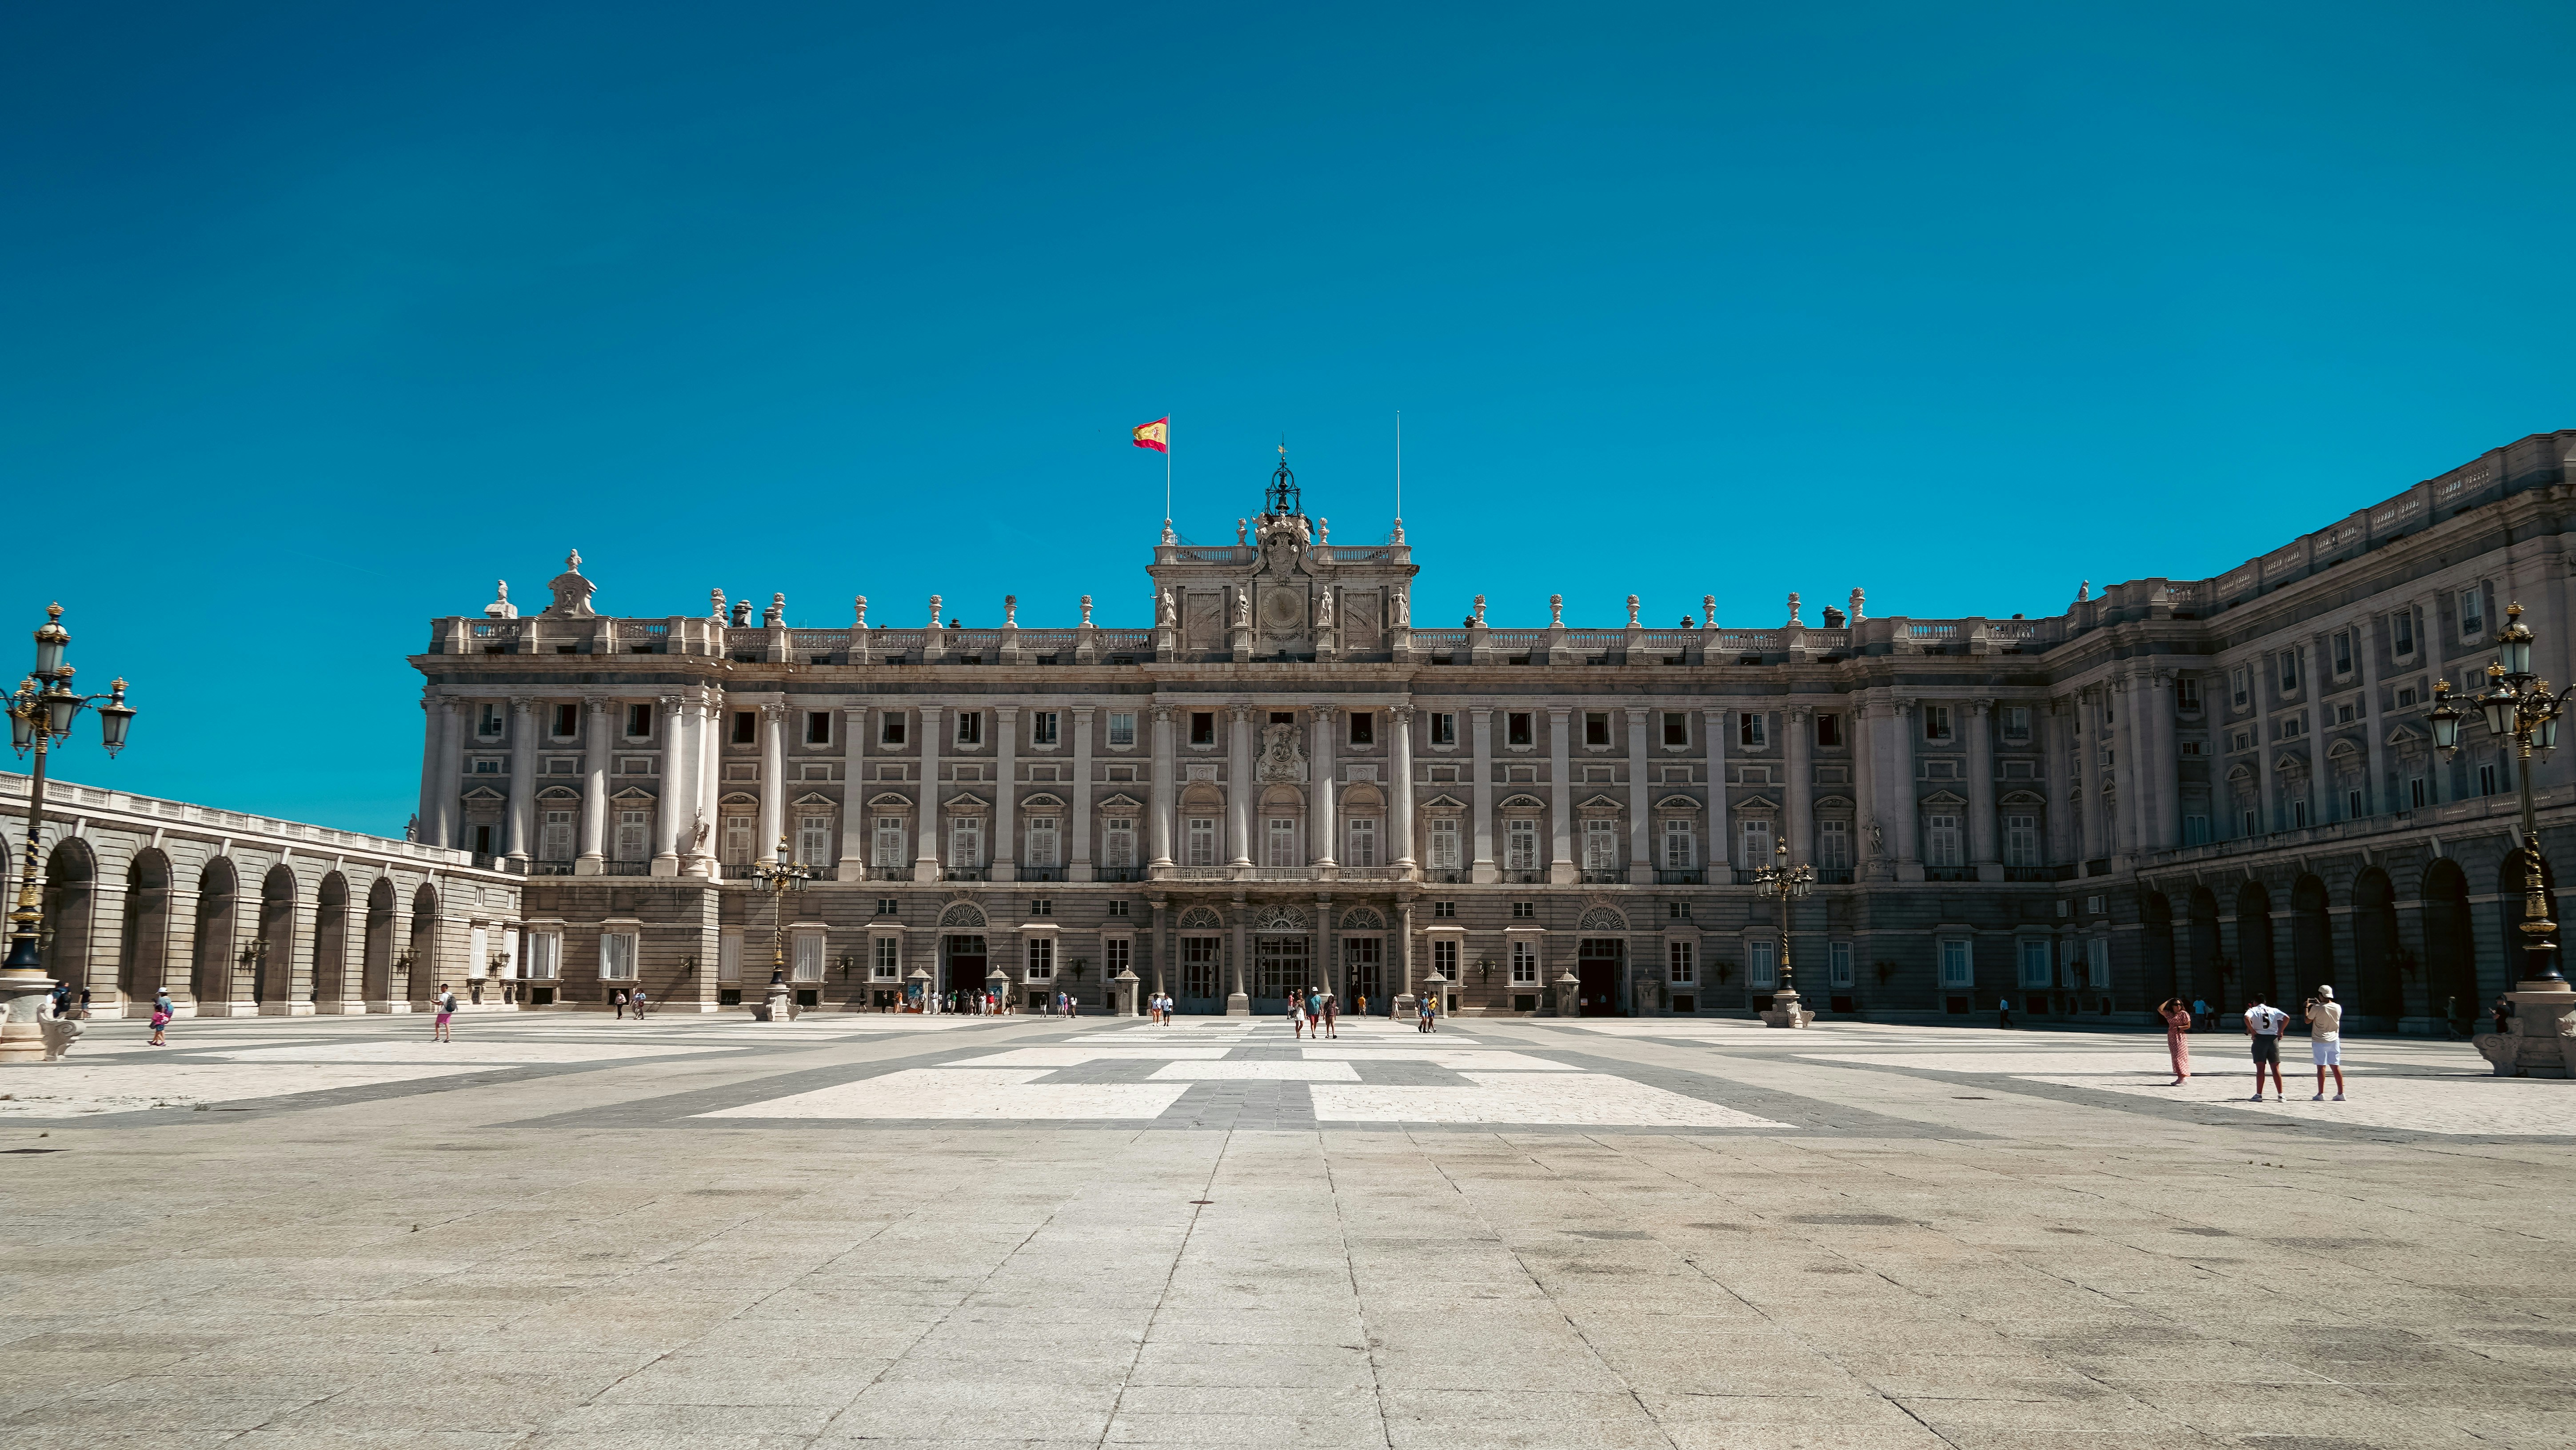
x: 1202, y: 798
x: 1278, y: 918
x: 423, y: 954
x: 2156, y: 947
x: 2311, y: 938
x: 376, y: 966
x: 2511, y: 899
x: 1200, y: 918
x: 1601, y: 917
x: 331, y: 940
x: 274, y: 982
x: 2253, y: 943
x: 2450, y: 941
x: 142, y: 951
x: 1363, y: 918
x: 218, y: 906
x: 71, y: 894
x: 2203, y: 936
x: 2377, y: 991
x: 962, y: 914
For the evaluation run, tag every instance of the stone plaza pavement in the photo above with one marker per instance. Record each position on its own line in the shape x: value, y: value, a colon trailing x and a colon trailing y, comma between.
x: 566, y: 1231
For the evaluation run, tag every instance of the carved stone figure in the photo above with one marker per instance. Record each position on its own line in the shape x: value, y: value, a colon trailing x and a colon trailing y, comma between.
x: 572, y: 592
x: 1480, y: 611
x: 775, y: 616
x: 1877, y: 838
x: 697, y: 832
x: 1403, y: 608
x: 1856, y: 615
x: 1282, y: 758
x: 1086, y: 611
x: 1243, y: 609
x: 1708, y: 611
x: 1323, y: 609
x: 859, y: 611
x: 501, y: 607
x: 411, y: 828
x: 1164, y: 613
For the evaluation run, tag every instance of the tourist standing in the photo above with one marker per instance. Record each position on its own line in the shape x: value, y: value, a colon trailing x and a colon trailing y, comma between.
x: 2199, y: 1014
x: 1297, y: 1016
x: 1331, y: 1017
x: 2263, y: 1023
x: 639, y: 1004
x: 2177, y: 1020
x: 445, y: 1003
x: 160, y: 1017
x: 2325, y: 1041
x: 617, y: 999
x: 2003, y: 1011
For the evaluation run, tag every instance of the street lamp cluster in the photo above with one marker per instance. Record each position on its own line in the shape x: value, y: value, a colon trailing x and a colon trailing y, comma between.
x: 2518, y: 707
x: 779, y: 880
x: 41, y: 712
x: 1785, y: 883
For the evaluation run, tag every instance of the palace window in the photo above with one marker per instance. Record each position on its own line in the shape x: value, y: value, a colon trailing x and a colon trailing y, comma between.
x: 1280, y: 834
x: 1042, y: 727
x: 2416, y: 797
x: 890, y: 727
x: 2195, y: 830
x: 1676, y: 727
x: 1941, y: 841
x: 1202, y: 727
x: 567, y: 721
x: 1829, y: 730
x: 639, y: 722
x: 2341, y: 642
x: 1761, y: 964
x: 1444, y: 958
x: 1200, y: 841
x: 1524, y: 962
x: 1122, y: 727
x: 1936, y: 722
x: 2402, y: 632
x: 1198, y: 965
x: 818, y: 727
x: 1040, y: 958
x: 1596, y: 727
x: 970, y: 727
x: 489, y: 721
x: 1444, y: 910
x: 1444, y: 845
x: 888, y: 849
x: 634, y: 832
x: 2021, y: 840
x: 737, y: 840
x: 1042, y: 839
x: 617, y: 956
x: 2187, y: 692
x: 2097, y: 956
x: 2033, y: 956
x: 1755, y: 835
x: 814, y: 840
x: 2473, y: 613
x: 1524, y: 911
x: 2487, y: 780
x: 545, y: 949
x: 2289, y: 672
x: 1957, y: 967
x: 1120, y: 954
x: 2017, y: 723
x: 1444, y: 729
x: 1600, y: 845
x: 887, y: 965
x: 966, y: 841
x: 805, y: 963
x: 1681, y: 963
x: 1750, y: 731
x: 746, y: 726
x: 1517, y: 728
x: 1363, y: 728
x: 1833, y: 845
x: 554, y: 843
x: 1681, y: 845
x: 1363, y: 850
x: 1520, y: 845
x: 1118, y: 842
x: 1838, y: 964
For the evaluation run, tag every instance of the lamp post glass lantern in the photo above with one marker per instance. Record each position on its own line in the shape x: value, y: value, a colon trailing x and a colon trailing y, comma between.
x: 779, y: 880
x: 2518, y: 709
x: 1785, y: 883
x: 41, y: 713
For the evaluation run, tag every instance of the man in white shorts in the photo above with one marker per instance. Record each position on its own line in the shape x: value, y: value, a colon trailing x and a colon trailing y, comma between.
x: 2325, y: 1040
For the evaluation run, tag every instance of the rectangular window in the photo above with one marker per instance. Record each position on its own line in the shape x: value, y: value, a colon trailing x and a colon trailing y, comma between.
x: 1042, y: 727
x: 1524, y: 962
x: 1363, y: 727
x: 1199, y: 955
x: 2473, y: 613
x: 1363, y: 847
x: 1039, y: 957
x: 1941, y: 841
x: 1681, y: 963
x: 1677, y: 910
x: 1936, y: 722
x: 567, y: 720
x: 1280, y: 832
x: 1444, y: 910
x: 617, y: 956
x: 1750, y: 730
x: 2189, y: 747
x: 889, y: 906
x: 1681, y: 845
x: 1122, y: 727
x: 806, y: 962
x: 2295, y: 725
x: 890, y: 727
x: 886, y: 963
x: 1524, y: 911
x: 1596, y: 728
x: 2187, y: 692
x: 2241, y: 686
x: 888, y: 848
x: 2247, y: 824
x: 554, y: 842
x: 2244, y: 740
x: 1756, y: 836
x: 746, y: 727
x: 2406, y: 697
x: 2021, y: 840
x: 2097, y: 956
x: 966, y: 842
x: 970, y: 727
x: 1833, y: 845
x: 2017, y: 723
x: 1118, y: 842
x: 1119, y: 955
x: 814, y: 840
x: 1676, y: 728
x: 2299, y: 814
x: 2343, y: 714
x: 729, y: 959
x: 1202, y: 727
x: 1444, y: 845
x: 818, y: 727
x: 2487, y: 780
x: 1201, y: 841
x: 639, y: 722
x: 2416, y: 796
x: 1042, y: 841
x: 1829, y: 730
x: 1838, y: 965
x: 1444, y: 729
x: 2402, y: 632
x: 1600, y: 845
x: 2032, y: 953
x: 634, y: 830
x: 1957, y: 969
x: 2195, y: 830
x: 1520, y: 845
x: 1761, y: 965
x: 1517, y: 729
x: 1444, y: 958
x: 2352, y: 810
x: 737, y: 840
x: 2289, y: 663
x: 2341, y: 643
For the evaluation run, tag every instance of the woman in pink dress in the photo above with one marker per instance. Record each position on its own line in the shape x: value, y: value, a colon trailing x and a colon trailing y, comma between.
x: 2177, y: 1020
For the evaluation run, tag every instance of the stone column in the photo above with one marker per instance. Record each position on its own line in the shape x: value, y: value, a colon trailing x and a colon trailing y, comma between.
x: 2052, y: 772
x: 670, y: 801
x: 1721, y: 825
x: 1238, y: 1003
x: 594, y: 786
x: 1006, y: 792
x: 445, y: 828
x: 2164, y: 821
x: 773, y: 780
x: 520, y: 832
x: 1323, y: 820
x: 1238, y: 786
x: 1981, y: 791
x: 1165, y: 797
x: 2376, y: 796
x: 435, y: 747
x: 687, y: 774
x: 1079, y: 862
x: 855, y: 827
x: 1798, y: 799
x: 2428, y: 654
x: 2311, y: 655
x: 1908, y: 825
x: 1162, y: 942
x: 1869, y: 863
x: 706, y: 768
x: 1560, y: 808
x: 2088, y: 762
x: 1482, y: 869
x: 1399, y: 822
x: 925, y: 851
x: 1404, y: 954
x: 2123, y: 737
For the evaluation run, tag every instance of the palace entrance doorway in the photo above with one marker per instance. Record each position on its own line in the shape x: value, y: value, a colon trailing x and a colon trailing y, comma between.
x: 967, y: 963
x: 1599, y: 963
x: 1281, y: 968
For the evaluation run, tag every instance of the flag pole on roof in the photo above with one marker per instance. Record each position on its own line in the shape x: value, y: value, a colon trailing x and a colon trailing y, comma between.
x: 1157, y: 435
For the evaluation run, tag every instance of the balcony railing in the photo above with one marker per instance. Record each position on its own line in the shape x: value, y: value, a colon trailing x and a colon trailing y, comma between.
x: 2039, y: 873
x: 966, y: 873
x: 1119, y: 873
x: 1445, y: 877
x: 1833, y: 876
x: 1681, y: 878
x: 1041, y: 873
x: 1525, y: 878
x: 550, y: 868
x: 1601, y: 878
x: 1949, y: 873
x: 625, y: 868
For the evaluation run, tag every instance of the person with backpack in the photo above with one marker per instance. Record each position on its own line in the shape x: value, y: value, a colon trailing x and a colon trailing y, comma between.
x: 445, y: 1005
x: 161, y: 1014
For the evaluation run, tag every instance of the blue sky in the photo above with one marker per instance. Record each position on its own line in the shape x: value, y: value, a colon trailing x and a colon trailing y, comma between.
x: 319, y: 318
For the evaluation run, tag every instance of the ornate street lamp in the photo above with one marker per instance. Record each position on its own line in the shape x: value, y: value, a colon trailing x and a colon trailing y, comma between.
x: 1785, y: 883
x: 779, y: 880
x: 40, y: 717
x: 2518, y: 707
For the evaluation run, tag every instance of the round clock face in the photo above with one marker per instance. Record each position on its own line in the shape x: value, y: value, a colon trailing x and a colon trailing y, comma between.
x: 1281, y: 609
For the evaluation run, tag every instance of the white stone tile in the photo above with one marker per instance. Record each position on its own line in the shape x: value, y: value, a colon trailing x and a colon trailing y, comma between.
x: 1256, y: 1072
x: 1000, y: 1094
x: 1490, y: 1059
x: 464, y: 1049
x: 1077, y: 1056
x: 70, y: 1089
x: 1590, y: 1099
x: 2470, y: 1107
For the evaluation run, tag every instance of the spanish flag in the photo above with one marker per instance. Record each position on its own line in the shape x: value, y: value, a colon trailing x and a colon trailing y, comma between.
x: 1156, y: 435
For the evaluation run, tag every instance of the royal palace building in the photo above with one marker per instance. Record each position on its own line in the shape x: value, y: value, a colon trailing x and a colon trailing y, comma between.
x: 2204, y: 787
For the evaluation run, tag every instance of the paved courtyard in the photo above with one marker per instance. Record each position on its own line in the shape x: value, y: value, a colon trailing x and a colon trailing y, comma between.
x: 568, y: 1231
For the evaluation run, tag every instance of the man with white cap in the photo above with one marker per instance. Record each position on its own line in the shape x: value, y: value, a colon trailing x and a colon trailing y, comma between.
x: 2325, y: 1040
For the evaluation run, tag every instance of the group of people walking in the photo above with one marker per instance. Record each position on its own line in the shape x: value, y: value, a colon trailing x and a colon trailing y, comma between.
x: 1315, y: 1013
x: 2264, y: 1026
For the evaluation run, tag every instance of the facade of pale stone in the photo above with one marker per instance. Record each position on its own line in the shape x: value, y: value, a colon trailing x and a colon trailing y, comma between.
x: 2176, y: 786
x: 238, y: 915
